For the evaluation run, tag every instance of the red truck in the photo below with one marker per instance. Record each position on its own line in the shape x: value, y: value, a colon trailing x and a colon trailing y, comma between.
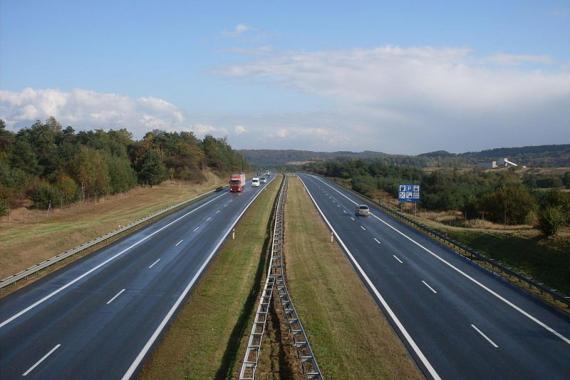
x: 237, y: 182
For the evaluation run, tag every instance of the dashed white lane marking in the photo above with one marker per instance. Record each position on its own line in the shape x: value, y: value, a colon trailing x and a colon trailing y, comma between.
x: 485, y: 336
x: 155, y: 262
x: 478, y: 283
x: 41, y: 360
x: 364, y: 228
x: 377, y: 241
x: 60, y: 289
x: 351, y: 218
x: 208, y: 219
x: 195, y: 229
x: 180, y: 242
x: 217, y: 211
x: 115, y: 296
x: 429, y: 287
x: 396, y: 257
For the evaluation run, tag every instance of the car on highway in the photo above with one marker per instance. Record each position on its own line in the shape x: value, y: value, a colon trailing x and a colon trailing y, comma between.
x: 362, y: 210
x: 255, y: 182
x: 263, y: 180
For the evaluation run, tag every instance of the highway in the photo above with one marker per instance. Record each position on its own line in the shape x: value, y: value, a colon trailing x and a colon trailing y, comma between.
x: 457, y: 320
x: 98, y: 317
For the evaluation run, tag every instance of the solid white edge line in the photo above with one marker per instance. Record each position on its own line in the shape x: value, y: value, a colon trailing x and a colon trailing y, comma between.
x: 485, y: 336
x: 154, y: 263
x: 492, y: 292
x: 41, y: 360
x: 115, y: 296
x: 391, y: 314
x: 397, y: 258
x: 180, y: 242
x: 42, y: 300
x: 133, y: 367
x: 377, y: 241
x: 429, y: 287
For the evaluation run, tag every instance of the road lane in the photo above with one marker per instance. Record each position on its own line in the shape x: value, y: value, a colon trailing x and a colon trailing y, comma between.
x: 100, y: 339
x: 440, y: 323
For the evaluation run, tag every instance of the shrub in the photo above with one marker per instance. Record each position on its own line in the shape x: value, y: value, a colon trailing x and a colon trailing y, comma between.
x: 43, y: 194
x: 550, y: 220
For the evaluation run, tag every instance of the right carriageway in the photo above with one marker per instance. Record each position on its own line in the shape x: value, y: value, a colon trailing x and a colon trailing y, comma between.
x: 457, y: 320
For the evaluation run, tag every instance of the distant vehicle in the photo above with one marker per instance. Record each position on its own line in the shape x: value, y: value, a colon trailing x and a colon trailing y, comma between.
x: 362, y: 210
x: 237, y: 183
x: 255, y: 182
x: 263, y: 180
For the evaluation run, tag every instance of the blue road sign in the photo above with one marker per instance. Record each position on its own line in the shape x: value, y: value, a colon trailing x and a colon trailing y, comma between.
x: 409, y: 193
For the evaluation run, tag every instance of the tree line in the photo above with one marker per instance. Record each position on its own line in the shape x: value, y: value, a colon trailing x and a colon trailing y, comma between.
x: 501, y: 196
x: 54, y: 166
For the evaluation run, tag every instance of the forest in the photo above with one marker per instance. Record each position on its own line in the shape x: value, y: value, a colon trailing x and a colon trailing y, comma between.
x: 502, y: 196
x: 52, y: 166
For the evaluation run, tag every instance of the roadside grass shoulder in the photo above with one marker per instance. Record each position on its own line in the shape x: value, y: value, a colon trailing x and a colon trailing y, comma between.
x: 545, y: 260
x: 349, y: 334
x: 201, y: 342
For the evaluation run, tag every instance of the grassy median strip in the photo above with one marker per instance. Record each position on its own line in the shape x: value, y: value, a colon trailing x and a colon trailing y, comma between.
x: 203, y: 339
x: 349, y: 334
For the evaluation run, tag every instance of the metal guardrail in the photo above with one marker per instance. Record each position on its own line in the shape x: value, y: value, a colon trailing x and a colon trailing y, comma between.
x: 73, y: 251
x: 499, y: 269
x: 276, y: 280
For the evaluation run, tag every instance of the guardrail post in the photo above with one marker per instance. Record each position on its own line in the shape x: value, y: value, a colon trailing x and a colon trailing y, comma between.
x: 332, y: 237
x: 233, y: 233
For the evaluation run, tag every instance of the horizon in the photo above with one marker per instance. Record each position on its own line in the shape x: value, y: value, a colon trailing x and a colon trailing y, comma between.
x: 398, y: 79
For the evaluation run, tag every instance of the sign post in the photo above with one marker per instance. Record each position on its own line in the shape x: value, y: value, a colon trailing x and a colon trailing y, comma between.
x: 409, y: 193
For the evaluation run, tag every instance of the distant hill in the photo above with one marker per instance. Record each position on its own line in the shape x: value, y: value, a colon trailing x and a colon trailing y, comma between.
x: 278, y: 158
x: 537, y: 156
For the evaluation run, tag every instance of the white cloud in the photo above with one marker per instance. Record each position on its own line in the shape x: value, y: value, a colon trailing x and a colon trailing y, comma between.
x: 84, y: 109
x: 202, y: 130
x: 422, y: 98
x: 240, y: 130
x: 238, y: 30
x: 517, y: 59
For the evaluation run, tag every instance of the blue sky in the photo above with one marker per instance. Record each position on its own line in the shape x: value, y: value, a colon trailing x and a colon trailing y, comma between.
x: 306, y: 75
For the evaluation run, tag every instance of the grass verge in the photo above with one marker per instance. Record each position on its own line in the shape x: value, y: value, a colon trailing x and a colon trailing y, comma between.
x: 31, y: 236
x: 202, y: 342
x: 532, y: 255
x: 349, y: 334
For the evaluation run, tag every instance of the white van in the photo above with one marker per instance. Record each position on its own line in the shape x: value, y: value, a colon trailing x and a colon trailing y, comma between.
x: 255, y: 182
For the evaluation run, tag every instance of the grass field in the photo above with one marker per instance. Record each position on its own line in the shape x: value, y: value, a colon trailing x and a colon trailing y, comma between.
x: 203, y: 340
x: 349, y: 334
x: 31, y: 236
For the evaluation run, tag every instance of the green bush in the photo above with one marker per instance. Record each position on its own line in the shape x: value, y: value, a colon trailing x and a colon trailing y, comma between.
x: 44, y: 193
x: 4, y: 207
x: 550, y: 220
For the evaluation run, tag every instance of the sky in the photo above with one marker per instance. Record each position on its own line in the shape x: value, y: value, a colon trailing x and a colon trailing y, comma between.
x: 397, y: 77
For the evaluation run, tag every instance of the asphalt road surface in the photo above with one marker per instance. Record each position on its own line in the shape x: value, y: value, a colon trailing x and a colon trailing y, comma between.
x: 98, y: 317
x: 458, y: 321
